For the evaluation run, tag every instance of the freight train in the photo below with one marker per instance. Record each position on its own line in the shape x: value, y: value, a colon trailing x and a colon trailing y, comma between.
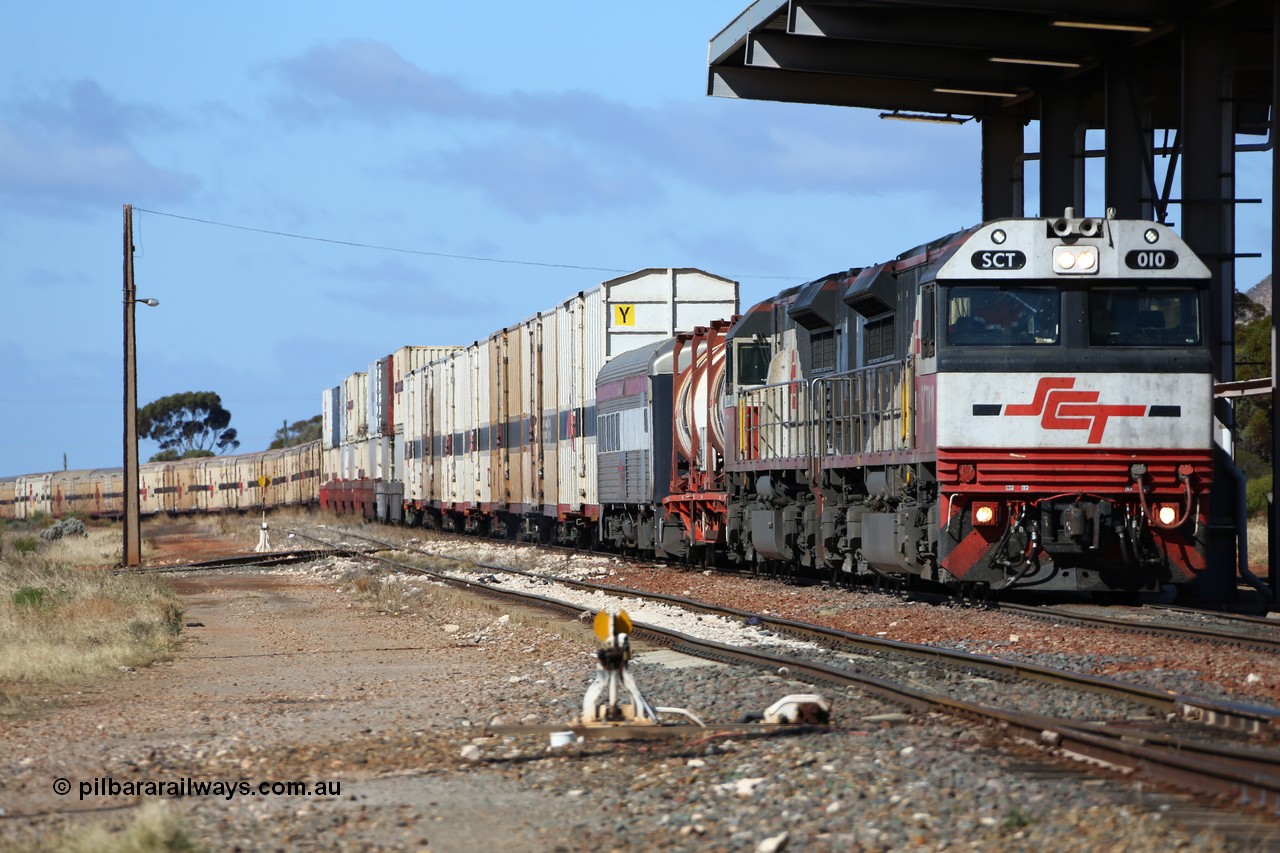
x: 1025, y: 404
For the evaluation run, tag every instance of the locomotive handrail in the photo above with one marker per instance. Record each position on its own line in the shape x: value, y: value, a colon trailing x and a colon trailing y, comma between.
x: 858, y: 416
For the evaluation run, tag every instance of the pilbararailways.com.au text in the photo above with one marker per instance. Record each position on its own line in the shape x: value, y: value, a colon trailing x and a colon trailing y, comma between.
x: 187, y: 787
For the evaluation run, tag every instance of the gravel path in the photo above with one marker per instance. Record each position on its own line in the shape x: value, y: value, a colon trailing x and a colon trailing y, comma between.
x: 292, y: 676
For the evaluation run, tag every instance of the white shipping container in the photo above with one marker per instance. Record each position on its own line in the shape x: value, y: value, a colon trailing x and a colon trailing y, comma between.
x: 356, y: 411
x: 376, y: 400
x: 461, y: 384
x: 621, y: 315
x: 417, y: 435
x: 405, y: 361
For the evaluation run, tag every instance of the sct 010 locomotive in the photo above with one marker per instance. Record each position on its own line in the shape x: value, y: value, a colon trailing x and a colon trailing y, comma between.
x: 1024, y: 404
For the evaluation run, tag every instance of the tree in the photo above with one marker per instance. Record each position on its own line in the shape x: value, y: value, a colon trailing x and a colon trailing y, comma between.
x: 191, y: 421
x: 1253, y: 361
x: 298, y: 432
x: 172, y: 455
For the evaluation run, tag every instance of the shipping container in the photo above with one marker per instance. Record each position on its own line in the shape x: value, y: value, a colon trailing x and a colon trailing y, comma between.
x: 33, y: 494
x: 355, y: 409
x: 8, y: 488
x: 405, y: 361
x: 330, y: 420
x: 623, y: 314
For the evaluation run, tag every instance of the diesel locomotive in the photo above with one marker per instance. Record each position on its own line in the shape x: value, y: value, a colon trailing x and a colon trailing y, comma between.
x: 1024, y: 404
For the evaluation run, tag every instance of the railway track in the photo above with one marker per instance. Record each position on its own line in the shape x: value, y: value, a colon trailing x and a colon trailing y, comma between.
x: 1255, y: 634
x: 267, y: 560
x: 1247, y: 776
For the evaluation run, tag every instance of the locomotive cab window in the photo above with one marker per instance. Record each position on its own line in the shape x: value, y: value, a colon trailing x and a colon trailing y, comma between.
x: 752, y: 363
x: 1144, y: 317
x: 1003, y: 316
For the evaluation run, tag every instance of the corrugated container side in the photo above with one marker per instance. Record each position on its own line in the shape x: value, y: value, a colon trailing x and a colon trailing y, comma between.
x: 482, y: 436
x: 441, y: 388
x: 8, y: 490
x: 355, y: 408
x: 397, y: 457
x: 417, y: 440
x: 331, y: 465
x: 329, y: 417
x: 33, y: 494
x: 550, y: 428
x: 341, y: 418
x: 373, y: 397
x: 405, y: 361
x: 530, y: 442
x: 504, y: 428
x: 573, y: 364
x: 111, y: 497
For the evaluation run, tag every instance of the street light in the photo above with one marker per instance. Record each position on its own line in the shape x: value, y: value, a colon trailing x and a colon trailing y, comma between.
x: 132, y: 516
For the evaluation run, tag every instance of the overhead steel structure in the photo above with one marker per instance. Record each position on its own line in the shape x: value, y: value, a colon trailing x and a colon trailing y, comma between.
x: 1188, y: 80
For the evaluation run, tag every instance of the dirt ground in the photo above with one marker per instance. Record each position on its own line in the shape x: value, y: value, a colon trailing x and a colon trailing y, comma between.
x: 283, y: 679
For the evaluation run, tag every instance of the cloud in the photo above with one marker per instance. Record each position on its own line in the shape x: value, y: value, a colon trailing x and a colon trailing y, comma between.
x: 369, y: 78
x: 539, y: 153
x: 71, y: 151
x: 392, y: 285
x: 533, y: 176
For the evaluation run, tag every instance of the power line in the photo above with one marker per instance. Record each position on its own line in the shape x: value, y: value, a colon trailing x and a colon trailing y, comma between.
x: 403, y: 251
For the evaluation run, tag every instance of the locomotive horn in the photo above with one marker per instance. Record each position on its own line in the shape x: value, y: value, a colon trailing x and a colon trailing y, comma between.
x: 1062, y: 227
x: 1090, y: 227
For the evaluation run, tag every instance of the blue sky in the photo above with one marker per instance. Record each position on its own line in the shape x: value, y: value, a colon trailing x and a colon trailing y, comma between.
x: 564, y: 145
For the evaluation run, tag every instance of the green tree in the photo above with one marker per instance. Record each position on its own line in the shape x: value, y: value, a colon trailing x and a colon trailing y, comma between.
x: 1253, y: 361
x: 172, y: 455
x: 298, y: 432
x: 192, y: 420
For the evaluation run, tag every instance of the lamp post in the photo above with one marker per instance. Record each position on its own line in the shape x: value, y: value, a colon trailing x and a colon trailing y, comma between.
x: 132, y: 516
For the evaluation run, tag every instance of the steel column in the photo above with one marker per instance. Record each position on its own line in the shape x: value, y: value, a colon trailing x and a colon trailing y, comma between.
x: 1001, y: 168
x: 1061, y: 154
x: 1208, y: 225
x: 1129, y: 186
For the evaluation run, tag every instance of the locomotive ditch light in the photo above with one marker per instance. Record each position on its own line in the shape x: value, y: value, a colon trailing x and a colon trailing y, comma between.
x: 1075, y: 260
x: 985, y: 513
x: 1166, y: 514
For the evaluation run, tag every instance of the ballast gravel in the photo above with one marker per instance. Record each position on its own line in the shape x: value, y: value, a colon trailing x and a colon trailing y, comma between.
x: 387, y: 685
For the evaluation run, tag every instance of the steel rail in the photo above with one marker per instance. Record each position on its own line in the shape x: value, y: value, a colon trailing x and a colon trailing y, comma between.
x: 274, y: 558
x: 1212, y: 712
x: 1268, y: 644
x: 1250, y: 784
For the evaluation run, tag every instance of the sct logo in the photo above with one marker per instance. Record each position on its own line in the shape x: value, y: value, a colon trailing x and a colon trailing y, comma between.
x: 1059, y: 406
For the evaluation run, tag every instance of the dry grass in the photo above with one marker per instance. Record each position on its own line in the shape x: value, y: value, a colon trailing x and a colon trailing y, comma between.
x: 155, y: 829
x: 1258, y: 544
x: 61, y: 626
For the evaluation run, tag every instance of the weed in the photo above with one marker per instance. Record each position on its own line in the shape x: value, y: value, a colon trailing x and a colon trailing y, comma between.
x: 31, y: 597
x: 141, y: 631
x: 156, y: 829
x: 24, y: 544
x: 1015, y: 819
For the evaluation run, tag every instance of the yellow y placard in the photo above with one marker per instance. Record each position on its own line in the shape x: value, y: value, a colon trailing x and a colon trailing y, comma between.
x: 624, y: 315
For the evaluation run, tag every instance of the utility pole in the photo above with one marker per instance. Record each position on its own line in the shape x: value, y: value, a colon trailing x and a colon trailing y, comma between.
x: 132, y: 523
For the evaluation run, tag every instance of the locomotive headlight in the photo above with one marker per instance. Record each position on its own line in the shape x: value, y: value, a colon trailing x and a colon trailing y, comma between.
x: 984, y: 514
x: 1151, y: 235
x: 1075, y: 260
x: 1166, y: 514
x: 998, y: 236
